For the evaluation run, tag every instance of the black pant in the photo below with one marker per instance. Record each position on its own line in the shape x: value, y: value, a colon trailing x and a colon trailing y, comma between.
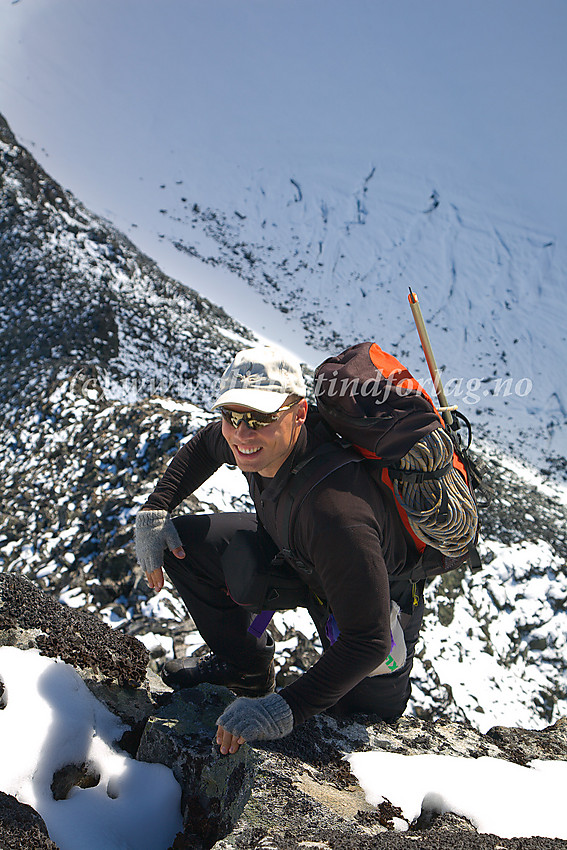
x: 200, y: 580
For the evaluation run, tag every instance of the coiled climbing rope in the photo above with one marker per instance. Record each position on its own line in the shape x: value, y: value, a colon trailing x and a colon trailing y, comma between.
x: 442, y: 511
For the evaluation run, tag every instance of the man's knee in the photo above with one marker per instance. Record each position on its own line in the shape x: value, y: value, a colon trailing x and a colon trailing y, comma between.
x: 204, y: 537
x: 213, y: 531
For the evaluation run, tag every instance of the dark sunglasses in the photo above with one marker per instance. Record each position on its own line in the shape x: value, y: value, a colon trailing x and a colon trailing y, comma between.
x: 252, y: 418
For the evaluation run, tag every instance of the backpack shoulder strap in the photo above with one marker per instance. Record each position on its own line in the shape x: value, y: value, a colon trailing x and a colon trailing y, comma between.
x: 304, y: 477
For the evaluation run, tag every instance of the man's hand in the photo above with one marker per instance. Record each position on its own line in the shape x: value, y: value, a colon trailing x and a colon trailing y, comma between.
x: 228, y: 742
x: 262, y: 719
x: 154, y: 532
x: 155, y: 579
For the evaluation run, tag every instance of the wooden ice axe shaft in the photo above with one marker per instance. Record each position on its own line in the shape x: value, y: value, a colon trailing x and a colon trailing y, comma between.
x: 430, y: 357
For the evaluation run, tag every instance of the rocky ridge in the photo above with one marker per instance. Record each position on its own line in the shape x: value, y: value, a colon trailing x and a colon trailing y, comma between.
x: 81, y: 294
x: 290, y: 794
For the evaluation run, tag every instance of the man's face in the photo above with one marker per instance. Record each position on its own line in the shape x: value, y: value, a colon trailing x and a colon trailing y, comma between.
x: 264, y: 450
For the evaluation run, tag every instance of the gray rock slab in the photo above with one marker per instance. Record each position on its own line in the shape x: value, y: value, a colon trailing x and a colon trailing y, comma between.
x: 304, y: 795
x: 215, y: 788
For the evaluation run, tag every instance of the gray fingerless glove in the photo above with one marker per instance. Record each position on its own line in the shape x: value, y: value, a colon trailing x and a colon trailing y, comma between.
x: 261, y: 719
x: 154, y: 532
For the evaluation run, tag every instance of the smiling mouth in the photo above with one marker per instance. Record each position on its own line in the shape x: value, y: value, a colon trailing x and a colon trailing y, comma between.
x: 248, y: 451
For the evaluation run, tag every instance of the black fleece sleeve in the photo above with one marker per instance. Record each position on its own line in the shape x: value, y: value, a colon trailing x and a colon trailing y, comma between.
x: 342, y: 538
x: 196, y: 461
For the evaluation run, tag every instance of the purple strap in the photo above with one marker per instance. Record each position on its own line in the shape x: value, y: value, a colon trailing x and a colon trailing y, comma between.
x: 331, y: 629
x: 260, y: 623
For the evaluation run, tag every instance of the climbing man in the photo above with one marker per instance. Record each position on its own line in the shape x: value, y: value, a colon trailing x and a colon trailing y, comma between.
x: 348, y: 545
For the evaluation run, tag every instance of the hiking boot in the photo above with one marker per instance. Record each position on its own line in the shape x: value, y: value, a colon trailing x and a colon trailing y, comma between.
x: 211, y: 668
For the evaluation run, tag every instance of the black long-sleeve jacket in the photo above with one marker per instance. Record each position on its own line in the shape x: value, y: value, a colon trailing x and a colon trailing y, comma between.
x: 350, y: 532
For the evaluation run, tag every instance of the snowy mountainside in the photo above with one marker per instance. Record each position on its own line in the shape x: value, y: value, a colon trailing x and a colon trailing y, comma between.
x: 79, y: 292
x: 339, y: 256
x: 89, y: 328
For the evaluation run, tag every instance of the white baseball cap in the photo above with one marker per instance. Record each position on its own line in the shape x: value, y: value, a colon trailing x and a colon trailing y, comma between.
x: 261, y: 378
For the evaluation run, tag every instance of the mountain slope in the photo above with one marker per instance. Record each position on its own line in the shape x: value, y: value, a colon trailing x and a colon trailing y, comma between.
x: 90, y: 331
x: 321, y: 162
x: 77, y: 289
x: 94, y: 338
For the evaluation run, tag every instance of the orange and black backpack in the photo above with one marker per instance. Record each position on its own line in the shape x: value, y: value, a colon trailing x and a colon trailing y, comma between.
x: 377, y: 413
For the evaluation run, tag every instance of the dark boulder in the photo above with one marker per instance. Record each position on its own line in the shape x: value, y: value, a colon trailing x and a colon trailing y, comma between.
x: 21, y: 828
